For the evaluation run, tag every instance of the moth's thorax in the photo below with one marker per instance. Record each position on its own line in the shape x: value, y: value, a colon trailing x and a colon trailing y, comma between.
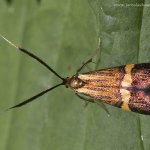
x: 74, y: 82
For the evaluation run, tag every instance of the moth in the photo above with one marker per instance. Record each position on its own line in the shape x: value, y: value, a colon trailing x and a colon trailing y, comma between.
x: 126, y: 87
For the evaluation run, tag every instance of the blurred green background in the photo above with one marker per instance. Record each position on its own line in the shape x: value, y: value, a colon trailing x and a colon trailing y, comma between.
x: 65, y: 33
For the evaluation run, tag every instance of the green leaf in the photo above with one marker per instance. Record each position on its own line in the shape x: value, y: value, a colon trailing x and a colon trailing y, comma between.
x: 65, y: 33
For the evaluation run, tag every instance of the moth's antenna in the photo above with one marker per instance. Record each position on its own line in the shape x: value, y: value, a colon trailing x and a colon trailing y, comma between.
x: 34, y: 97
x: 41, y: 62
x: 33, y: 56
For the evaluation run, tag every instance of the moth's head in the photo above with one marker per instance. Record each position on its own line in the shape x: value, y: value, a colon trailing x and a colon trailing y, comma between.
x: 74, y: 82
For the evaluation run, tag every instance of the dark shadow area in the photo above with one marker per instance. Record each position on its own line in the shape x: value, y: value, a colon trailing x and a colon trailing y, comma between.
x: 9, y: 2
x: 38, y: 1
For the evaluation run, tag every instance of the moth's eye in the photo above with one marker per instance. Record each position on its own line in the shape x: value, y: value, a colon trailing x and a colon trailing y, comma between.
x: 76, y: 83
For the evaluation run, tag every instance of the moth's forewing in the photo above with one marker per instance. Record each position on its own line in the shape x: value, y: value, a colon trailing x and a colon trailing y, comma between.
x: 127, y: 87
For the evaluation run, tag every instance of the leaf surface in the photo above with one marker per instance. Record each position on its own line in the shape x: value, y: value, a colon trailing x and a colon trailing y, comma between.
x: 65, y: 33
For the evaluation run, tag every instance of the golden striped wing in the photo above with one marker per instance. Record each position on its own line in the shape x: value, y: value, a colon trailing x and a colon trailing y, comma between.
x: 126, y: 86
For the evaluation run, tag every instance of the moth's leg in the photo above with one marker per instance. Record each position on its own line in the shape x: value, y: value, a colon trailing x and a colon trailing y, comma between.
x: 84, y: 64
x: 101, y: 104
x: 90, y: 60
x: 86, y: 99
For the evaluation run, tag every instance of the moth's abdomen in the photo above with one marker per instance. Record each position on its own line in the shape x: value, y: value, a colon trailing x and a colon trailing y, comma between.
x: 127, y: 87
